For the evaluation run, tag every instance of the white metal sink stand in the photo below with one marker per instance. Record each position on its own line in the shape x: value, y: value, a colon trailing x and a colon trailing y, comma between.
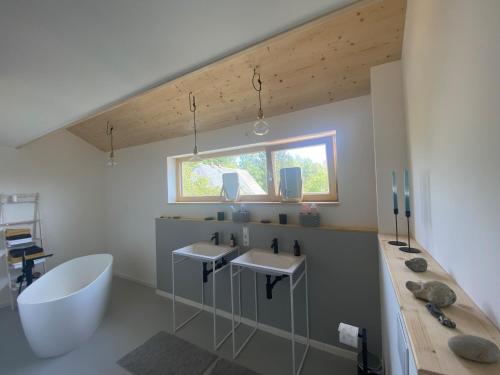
x: 185, y: 253
x: 301, y: 273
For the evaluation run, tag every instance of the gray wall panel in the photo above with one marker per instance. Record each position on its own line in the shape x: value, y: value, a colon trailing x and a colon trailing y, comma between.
x: 343, y: 275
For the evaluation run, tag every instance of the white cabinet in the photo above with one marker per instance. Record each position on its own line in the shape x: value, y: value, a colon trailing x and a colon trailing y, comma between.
x: 398, y: 358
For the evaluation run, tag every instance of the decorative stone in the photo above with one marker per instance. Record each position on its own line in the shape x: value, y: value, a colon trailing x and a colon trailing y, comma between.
x: 439, y: 315
x: 433, y: 291
x: 417, y: 264
x: 474, y: 348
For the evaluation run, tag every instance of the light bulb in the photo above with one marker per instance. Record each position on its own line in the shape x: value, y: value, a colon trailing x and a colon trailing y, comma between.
x: 261, y: 127
x: 112, y: 162
x: 195, y: 156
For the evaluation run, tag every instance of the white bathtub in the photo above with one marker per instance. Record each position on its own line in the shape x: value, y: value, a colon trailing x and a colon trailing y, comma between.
x: 65, y: 306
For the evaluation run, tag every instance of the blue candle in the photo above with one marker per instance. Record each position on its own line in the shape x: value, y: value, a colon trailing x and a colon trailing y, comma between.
x: 407, y: 190
x: 394, y: 191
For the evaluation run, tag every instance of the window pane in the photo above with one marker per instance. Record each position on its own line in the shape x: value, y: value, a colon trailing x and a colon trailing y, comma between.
x: 313, y: 163
x: 204, y: 178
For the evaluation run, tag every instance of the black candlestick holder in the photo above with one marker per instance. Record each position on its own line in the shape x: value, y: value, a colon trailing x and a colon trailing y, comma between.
x: 397, y: 242
x: 409, y: 249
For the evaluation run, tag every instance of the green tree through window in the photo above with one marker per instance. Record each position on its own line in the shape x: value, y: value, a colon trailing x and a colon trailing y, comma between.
x: 204, y: 178
x: 314, y: 167
x: 314, y: 156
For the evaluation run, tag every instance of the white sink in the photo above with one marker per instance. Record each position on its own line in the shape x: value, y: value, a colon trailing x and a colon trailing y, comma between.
x: 205, y: 251
x: 267, y: 262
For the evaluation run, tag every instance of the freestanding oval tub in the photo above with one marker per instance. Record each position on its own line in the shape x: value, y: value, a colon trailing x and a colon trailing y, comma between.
x: 66, y: 305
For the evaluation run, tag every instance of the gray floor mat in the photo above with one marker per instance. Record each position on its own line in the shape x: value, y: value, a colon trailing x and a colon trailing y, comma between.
x: 165, y: 354
x: 225, y: 367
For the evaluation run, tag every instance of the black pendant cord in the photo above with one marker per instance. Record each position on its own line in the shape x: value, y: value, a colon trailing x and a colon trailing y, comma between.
x: 192, y: 108
x: 258, y: 89
x: 112, y: 143
x: 195, y: 132
x: 109, y: 132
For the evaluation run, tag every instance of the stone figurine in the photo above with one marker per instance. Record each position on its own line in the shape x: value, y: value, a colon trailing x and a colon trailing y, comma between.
x: 417, y: 264
x: 435, y: 292
x: 474, y: 348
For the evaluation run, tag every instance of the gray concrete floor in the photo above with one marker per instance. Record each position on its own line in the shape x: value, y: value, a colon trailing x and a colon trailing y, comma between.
x: 135, y: 314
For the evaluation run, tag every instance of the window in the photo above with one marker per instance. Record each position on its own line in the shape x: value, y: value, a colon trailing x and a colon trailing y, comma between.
x: 204, y: 178
x: 258, y: 168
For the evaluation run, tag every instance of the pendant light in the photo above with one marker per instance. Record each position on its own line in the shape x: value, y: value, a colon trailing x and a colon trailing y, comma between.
x: 192, y: 108
x: 109, y: 132
x: 260, y: 127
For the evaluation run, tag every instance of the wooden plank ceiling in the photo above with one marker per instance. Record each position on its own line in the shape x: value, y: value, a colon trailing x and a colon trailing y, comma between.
x: 325, y: 60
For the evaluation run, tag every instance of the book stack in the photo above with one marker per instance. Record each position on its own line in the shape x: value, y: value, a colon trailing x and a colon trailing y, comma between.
x: 19, y: 242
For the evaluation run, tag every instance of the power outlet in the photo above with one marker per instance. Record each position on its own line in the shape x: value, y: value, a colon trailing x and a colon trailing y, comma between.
x: 246, y: 237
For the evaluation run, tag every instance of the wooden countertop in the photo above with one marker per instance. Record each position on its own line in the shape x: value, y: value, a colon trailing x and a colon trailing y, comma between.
x: 289, y: 225
x: 429, y: 339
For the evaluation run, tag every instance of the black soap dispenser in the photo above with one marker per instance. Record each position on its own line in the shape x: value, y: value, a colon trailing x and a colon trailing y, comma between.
x: 232, y: 241
x: 296, y: 249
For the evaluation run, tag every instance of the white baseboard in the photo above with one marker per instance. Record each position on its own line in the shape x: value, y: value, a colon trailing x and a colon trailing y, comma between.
x: 332, y: 349
x: 135, y: 280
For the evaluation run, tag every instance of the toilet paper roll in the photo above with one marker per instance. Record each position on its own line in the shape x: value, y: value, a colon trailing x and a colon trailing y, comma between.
x: 348, y: 335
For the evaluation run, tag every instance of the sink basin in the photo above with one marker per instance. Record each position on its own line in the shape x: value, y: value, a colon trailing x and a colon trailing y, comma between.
x: 267, y: 262
x: 205, y: 250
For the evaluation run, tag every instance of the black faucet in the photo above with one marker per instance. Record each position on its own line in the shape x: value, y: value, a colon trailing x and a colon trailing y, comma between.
x: 271, y: 283
x: 215, y: 238
x: 274, y: 246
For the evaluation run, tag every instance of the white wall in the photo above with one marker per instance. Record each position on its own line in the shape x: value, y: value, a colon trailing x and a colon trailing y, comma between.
x: 69, y: 175
x: 451, y: 69
x: 87, y: 207
x: 137, y: 186
x: 389, y: 134
x: 112, y: 49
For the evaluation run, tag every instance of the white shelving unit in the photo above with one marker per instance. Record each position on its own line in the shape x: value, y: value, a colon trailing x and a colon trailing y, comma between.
x: 12, y: 270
